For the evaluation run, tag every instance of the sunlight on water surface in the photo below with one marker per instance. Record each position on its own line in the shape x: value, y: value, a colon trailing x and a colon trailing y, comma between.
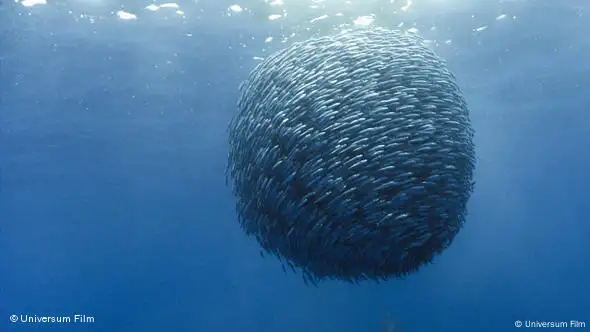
x: 285, y: 20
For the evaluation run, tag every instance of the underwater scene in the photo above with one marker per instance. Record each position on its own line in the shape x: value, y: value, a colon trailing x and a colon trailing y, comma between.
x: 294, y: 165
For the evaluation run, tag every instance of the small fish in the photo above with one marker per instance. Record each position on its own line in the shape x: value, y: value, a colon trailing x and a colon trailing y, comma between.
x: 346, y: 149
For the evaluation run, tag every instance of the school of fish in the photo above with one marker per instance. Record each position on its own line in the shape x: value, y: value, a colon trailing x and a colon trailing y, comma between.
x: 351, y: 156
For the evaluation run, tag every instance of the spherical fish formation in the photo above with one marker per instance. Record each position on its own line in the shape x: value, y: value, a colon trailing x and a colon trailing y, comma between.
x: 352, y: 155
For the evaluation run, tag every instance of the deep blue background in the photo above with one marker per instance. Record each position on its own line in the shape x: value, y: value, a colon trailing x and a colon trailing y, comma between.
x: 113, y: 200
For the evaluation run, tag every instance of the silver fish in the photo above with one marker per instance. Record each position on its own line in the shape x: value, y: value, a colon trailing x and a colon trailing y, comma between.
x: 351, y: 156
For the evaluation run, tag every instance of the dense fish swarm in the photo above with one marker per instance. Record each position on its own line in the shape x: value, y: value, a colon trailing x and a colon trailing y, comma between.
x: 352, y: 156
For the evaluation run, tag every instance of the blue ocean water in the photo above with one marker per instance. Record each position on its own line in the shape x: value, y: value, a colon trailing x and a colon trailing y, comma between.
x: 113, y: 147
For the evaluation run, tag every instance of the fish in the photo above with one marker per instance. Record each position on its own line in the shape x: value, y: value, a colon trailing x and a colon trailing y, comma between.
x: 351, y: 155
